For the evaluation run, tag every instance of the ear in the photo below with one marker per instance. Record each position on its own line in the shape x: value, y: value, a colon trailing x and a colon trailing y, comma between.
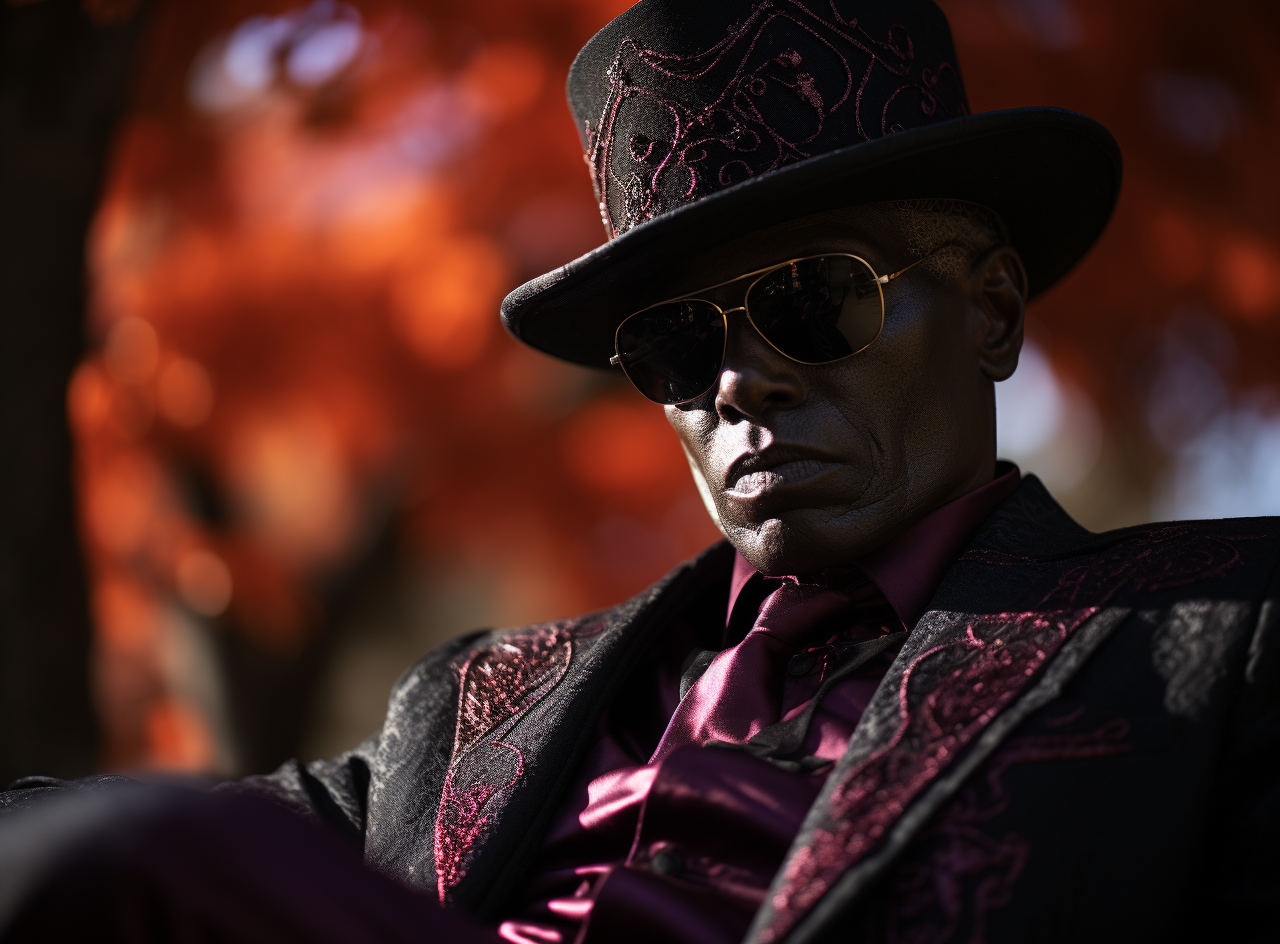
x: 999, y: 284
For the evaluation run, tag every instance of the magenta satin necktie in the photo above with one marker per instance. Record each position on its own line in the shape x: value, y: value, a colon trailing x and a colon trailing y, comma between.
x: 741, y: 691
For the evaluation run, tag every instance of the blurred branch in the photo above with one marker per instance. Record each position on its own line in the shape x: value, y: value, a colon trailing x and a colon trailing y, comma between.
x: 64, y: 67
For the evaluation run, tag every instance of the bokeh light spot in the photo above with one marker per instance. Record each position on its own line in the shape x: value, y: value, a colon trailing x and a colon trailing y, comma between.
x: 250, y: 54
x: 1200, y: 111
x: 1248, y: 278
x: 288, y: 474
x: 121, y: 501
x: 445, y: 307
x: 1045, y: 423
x: 323, y: 52
x: 125, y: 614
x: 88, y: 397
x: 1030, y: 406
x: 505, y: 77
x: 1174, y: 250
x: 623, y: 446
x: 204, y: 581
x: 177, y: 737
x: 185, y: 393
x: 132, y: 350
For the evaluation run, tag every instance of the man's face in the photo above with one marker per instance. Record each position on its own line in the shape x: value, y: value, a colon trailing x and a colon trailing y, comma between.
x: 810, y: 467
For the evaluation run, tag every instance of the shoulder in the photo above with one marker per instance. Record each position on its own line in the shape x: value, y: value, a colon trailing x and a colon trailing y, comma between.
x: 1233, y: 559
x: 537, y: 643
x: 1030, y: 542
x: 476, y: 682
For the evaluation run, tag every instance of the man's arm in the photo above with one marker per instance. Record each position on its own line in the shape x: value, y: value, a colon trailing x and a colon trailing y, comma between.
x: 1238, y: 896
x: 336, y: 791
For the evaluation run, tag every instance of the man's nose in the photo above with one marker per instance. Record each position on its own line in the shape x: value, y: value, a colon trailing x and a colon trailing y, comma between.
x: 754, y: 379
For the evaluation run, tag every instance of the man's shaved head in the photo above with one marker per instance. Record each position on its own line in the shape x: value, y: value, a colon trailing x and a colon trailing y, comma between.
x: 963, y: 230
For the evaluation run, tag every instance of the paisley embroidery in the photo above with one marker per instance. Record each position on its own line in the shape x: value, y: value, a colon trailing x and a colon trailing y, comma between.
x: 961, y: 873
x: 506, y: 679
x: 497, y: 685
x: 1162, y: 558
x: 462, y: 821
x: 948, y: 694
x: 787, y: 83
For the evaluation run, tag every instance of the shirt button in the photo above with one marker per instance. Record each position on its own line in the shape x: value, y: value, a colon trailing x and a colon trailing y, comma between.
x: 802, y: 664
x: 667, y: 861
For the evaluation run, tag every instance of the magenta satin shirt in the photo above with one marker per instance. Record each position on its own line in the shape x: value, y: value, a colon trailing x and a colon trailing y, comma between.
x: 681, y: 845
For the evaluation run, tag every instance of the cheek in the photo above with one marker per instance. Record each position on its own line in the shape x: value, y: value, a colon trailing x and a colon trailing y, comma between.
x: 693, y: 428
x: 943, y: 414
x: 914, y: 392
x: 951, y: 376
x: 880, y: 391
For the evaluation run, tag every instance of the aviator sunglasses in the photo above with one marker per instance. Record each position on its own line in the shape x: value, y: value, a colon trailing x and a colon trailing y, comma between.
x: 815, y: 310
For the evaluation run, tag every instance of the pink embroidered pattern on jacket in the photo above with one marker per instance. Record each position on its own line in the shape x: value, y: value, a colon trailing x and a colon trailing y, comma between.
x: 497, y: 684
x: 962, y: 873
x: 462, y: 821
x: 1163, y: 558
x: 962, y: 686
x: 749, y: 105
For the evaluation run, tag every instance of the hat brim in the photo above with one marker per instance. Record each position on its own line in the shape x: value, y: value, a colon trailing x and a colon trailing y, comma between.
x: 1053, y: 176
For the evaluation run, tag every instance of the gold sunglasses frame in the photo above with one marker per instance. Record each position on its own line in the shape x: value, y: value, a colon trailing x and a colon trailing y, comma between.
x: 760, y: 275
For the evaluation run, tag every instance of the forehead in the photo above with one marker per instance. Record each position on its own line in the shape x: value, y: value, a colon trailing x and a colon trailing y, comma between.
x: 876, y: 233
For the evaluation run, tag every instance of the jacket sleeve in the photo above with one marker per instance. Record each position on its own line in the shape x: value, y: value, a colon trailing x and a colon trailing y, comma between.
x: 1238, y: 896
x: 29, y: 792
x: 336, y: 791
x: 333, y: 792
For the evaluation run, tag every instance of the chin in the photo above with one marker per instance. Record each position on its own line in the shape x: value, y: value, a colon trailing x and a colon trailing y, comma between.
x: 799, y: 542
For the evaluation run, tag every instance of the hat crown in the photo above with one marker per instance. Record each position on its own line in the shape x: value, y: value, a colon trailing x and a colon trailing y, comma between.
x: 676, y: 100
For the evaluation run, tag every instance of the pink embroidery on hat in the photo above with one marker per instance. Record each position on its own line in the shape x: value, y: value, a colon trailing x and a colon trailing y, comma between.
x: 723, y: 106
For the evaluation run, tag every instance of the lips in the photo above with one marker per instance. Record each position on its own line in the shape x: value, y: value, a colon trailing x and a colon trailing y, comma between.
x: 755, y: 474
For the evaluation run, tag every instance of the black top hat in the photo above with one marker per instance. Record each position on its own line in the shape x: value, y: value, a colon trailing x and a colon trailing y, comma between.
x: 706, y: 119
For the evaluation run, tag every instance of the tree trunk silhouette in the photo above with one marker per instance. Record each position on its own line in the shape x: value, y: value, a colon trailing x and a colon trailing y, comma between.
x: 63, y: 71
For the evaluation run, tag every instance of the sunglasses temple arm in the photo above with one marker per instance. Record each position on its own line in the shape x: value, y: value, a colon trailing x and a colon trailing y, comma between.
x: 886, y: 279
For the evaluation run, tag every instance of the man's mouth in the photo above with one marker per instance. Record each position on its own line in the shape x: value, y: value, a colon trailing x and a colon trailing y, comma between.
x: 754, y: 475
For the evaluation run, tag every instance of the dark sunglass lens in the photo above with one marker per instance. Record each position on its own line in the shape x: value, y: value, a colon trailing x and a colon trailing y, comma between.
x: 672, y: 352
x: 819, y: 309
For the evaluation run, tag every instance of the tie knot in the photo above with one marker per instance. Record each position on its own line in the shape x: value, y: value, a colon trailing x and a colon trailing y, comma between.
x: 794, y: 611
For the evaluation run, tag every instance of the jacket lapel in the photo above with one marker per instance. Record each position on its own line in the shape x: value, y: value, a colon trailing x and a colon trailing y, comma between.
x: 516, y: 750
x: 966, y: 677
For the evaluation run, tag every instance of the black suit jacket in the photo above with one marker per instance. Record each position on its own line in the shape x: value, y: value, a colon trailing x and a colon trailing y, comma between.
x: 1079, y: 742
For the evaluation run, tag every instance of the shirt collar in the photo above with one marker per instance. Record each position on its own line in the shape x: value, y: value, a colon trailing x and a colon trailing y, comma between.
x: 910, y: 567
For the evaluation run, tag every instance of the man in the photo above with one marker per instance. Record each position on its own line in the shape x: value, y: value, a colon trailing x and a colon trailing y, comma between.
x: 908, y: 699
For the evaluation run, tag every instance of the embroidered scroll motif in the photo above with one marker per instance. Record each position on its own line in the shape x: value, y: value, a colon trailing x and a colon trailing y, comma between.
x: 962, y: 873
x: 462, y: 821
x: 498, y: 684
x: 787, y: 83
x: 1163, y: 558
x: 948, y: 694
